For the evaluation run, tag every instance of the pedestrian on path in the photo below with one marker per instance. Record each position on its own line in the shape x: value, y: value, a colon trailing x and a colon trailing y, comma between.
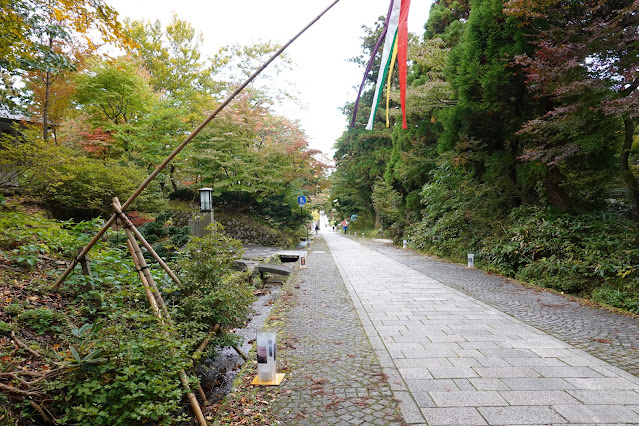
x: 317, y: 227
x: 345, y: 226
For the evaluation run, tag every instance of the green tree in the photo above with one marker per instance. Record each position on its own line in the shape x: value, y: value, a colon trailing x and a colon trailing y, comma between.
x: 492, y: 99
x: 584, y: 67
x: 43, y: 38
x: 115, y: 95
x: 249, y: 156
x: 173, y: 58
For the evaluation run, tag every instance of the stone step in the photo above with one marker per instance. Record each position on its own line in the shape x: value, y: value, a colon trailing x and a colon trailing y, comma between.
x: 273, y: 269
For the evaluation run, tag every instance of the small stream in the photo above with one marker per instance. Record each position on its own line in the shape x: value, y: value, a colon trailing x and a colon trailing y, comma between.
x: 218, y: 374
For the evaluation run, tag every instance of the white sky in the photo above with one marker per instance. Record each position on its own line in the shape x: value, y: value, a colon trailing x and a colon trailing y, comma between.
x: 323, y: 78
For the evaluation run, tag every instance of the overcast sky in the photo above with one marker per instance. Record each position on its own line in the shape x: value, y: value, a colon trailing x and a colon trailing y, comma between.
x: 323, y: 78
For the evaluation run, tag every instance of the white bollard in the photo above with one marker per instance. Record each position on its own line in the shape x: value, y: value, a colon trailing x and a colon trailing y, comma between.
x: 266, y: 357
x: 405, y: 244
x: 471, y: 260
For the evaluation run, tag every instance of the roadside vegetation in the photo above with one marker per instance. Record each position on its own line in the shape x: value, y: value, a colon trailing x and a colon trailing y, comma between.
x: 87, y: 126
x: 522, y: 145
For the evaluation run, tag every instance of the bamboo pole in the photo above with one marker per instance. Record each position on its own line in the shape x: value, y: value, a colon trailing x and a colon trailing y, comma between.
x: 144, y: 242
x: 145, y: 283
x: 177, y: 150
x: 205, y: 342
x: 160, y: 311
x: 145, y: 269
x: 152, y: 301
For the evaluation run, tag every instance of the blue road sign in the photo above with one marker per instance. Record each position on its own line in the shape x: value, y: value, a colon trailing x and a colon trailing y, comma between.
x: 301, y: 200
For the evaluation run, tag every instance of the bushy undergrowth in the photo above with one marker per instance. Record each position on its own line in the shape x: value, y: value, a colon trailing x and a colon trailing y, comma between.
x: 587, y: 254
x: 115, y: 362
x: 211, y: 292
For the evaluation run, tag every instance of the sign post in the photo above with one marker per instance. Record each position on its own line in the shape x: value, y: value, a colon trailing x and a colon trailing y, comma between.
x: 301, y: 200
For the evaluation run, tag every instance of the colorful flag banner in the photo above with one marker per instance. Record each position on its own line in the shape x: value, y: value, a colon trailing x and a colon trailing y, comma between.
x: 396, y: 29
x: 371, y: 60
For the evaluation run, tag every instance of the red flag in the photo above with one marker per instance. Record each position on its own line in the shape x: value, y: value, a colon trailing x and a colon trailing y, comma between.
x: 402, y: 56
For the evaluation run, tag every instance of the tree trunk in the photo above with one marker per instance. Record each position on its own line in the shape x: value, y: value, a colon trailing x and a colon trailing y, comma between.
x: 47, y: 97
x: 557, y: 196
x: 629, y: 179
x: 45, y: 107
x: 172, y: 177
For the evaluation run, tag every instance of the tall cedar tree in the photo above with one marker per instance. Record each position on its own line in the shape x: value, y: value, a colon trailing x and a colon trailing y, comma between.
x: 493, y: 100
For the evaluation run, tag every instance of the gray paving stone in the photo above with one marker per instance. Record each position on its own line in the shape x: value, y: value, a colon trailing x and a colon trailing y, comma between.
x: 415, y: 373
x: 409, y: 408
x: 503, y: 372
x: 444, y: 385
x: 464, y: 362
x: 566, y: 371
x: 507, y: 353
x: 452, y: 372
x: 609, y: 396
x: 536, y: 362
x: 423, y: 363
x: 520, y: 415
x: 467, y: 399
x: 618, y: 336
x: 602, y: 383
x: 534, y: 383
x: 464, y: 385
x: 453, y: 416
x: 538, y: 397
x: 494, y: 361
x: 597, y: 413
x: 488, y: 384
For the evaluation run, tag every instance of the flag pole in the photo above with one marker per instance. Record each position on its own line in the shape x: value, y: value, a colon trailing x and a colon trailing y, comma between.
x: 186, y: 141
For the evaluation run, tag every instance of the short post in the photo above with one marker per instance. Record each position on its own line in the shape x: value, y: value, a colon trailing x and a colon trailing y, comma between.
x: 84, y: 262
x: 471, y: 260
x: 404, y: 244
x: 267, y: 360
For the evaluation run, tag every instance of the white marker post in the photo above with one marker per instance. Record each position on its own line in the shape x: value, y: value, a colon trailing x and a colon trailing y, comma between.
x: 471, y: 260
x: 267, y: 361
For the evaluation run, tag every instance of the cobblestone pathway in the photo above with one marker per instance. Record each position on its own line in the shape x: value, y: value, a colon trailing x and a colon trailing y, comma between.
x: 334, y: 376
x: 454, y: 360
x: 606, y: 335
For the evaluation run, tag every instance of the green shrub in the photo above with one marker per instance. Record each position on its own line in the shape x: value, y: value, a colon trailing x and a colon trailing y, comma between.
x: 69, y: 180
x: 137, y: 383
x: 5, y: 328
x: 619, y: 298
x: 13, y: 309
x: 571, y: 253
x: 41, y: 320
x: 459, y: 213
x: 212, y: 293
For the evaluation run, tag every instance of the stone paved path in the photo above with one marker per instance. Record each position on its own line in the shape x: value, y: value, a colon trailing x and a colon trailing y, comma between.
x: 606, y: 335
x: 452, y: 359
x: 333, y: 375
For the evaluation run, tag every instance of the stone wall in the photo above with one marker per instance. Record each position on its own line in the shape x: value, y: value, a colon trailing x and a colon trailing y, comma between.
x: 243, y: 228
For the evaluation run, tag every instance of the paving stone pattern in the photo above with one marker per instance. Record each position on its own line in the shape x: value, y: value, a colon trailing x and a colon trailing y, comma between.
x: 334, y: 376
x: 606, y: 335
x: 454, y: 360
